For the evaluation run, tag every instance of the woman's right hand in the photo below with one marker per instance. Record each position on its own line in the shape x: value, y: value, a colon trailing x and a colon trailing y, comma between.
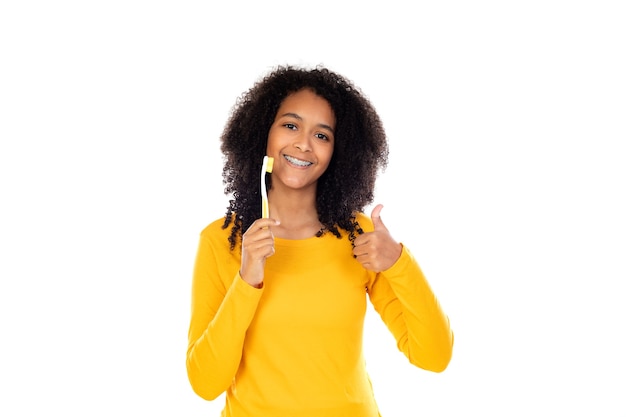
x: 257, y: 246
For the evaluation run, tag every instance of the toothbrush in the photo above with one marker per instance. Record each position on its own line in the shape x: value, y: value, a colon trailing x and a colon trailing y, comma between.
x: 268, y: 164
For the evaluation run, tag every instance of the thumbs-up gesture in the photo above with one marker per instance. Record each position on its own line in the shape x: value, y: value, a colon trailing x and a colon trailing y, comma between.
x: 376, y: 250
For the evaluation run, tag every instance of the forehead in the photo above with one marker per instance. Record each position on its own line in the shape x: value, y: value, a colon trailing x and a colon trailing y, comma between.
x: 305, y: 102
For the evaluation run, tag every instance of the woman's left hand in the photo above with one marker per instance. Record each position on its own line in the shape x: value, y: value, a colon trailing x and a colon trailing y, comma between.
x: 377, y: 250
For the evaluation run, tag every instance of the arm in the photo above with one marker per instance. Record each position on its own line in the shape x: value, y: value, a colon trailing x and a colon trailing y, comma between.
x: 221, y: 311
x: 411, y: 311
x: 402, y: 296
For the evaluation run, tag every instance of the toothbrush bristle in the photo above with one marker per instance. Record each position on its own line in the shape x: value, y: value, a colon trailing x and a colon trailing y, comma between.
x: 270, y: 164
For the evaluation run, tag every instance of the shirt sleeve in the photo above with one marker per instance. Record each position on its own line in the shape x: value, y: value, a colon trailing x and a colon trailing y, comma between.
x: 221, y: 312
x: 407, y: 305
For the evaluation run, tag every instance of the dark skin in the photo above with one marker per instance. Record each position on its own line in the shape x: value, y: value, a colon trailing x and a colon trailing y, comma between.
x: 346, y: 185
x: 377, y: 250
x: 301, y: 143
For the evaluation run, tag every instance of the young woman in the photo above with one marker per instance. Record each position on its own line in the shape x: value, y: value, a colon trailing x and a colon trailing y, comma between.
x: 278, y: 303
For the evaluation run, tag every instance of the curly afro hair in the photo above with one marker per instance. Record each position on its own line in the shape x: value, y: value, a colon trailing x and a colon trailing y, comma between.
x: 360, y: 152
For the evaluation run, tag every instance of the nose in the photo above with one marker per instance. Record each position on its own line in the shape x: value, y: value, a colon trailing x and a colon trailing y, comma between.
x: 302, y: 143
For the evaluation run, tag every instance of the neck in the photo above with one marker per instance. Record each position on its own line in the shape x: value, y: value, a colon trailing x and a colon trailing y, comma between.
x: 297, y: 215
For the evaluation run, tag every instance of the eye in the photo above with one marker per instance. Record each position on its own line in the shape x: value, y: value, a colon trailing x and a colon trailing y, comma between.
x: 290, y: 126
x: 322, y: 136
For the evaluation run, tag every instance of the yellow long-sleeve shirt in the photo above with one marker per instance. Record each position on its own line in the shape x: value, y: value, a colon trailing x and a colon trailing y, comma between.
x: 294, y: 347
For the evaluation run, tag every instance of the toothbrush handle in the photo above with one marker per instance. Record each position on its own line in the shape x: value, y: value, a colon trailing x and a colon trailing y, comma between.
x: 265, y: 209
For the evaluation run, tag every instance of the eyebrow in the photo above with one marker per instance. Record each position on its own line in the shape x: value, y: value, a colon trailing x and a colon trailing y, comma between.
x: 298, y: 117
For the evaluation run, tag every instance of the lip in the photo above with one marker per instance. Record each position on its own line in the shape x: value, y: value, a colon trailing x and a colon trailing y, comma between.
x: 297, y: 162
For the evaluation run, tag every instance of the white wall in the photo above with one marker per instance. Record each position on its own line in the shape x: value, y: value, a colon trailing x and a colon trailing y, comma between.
x: 506, y: 126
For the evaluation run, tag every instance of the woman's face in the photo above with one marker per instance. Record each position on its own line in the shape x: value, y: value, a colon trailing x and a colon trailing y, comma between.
x: 301, y: 140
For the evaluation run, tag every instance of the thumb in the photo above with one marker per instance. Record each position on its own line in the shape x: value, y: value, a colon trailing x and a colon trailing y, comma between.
x: 378, y: 223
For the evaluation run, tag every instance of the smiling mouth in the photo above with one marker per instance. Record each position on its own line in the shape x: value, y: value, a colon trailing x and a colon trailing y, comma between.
x: 298, y: 162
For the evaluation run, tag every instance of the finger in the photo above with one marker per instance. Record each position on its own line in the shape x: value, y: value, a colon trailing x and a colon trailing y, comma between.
x: 358, y: 251
x: 259, y: 234
x: 263, y: 223
x: 267, y: 222
x: 376, y: 220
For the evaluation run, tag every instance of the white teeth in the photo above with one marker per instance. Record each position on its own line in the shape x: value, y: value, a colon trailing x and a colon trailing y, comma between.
x: 298, y: 161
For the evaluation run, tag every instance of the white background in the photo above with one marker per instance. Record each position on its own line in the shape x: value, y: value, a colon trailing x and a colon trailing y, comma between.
x: 506, y: 123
